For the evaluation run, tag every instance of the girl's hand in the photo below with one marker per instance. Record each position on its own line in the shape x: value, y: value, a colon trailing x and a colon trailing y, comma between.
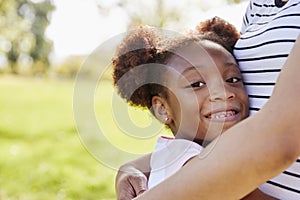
x: 258, y: 195
x: 130, y: 182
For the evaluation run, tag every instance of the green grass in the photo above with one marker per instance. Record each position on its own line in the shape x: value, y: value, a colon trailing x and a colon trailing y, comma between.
x: 42, y: 156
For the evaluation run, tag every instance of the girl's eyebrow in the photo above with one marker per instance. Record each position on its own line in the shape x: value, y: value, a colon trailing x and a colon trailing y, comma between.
x: 228, y: 64
x: 190, y: 69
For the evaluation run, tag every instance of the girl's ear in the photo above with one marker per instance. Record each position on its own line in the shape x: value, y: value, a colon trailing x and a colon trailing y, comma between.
x: 160, y: 109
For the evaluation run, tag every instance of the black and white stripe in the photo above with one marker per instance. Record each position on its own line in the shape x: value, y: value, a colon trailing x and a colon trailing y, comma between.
x: 268, y: 34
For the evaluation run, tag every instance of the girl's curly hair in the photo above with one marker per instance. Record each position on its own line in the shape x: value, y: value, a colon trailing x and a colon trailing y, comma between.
x: 219, y: 31
x: 135, y: 71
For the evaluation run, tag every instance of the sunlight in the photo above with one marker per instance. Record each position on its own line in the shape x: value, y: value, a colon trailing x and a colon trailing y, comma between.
x: 78, y: 27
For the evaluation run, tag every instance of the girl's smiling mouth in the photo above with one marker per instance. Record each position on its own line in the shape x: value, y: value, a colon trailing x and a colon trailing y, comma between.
x: 223, y: 115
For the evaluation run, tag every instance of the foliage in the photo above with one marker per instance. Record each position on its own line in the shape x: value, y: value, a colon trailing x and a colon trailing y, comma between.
x: 89, y: 66
x: 69, y: 67
x: 234, y: 1
x: 159, y: 13
x: 22, y: 34
x: 143, y: 12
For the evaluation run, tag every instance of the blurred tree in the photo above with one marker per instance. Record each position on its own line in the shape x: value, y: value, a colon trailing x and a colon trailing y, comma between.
x: 160, y: 13
x: 22, y: 34
x: 142, y: 12
x: 69, y: 67
x: 235, y: 1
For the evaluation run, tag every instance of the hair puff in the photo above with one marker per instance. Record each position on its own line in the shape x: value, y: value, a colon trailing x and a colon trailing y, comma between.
x: 137, y: 48
x: 220, y: 31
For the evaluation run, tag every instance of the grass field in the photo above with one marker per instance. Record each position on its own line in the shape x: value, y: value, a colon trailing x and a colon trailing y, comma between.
x: 42, y: 156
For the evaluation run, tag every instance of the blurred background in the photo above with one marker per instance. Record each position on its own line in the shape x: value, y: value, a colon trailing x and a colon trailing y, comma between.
x: 43, y: 44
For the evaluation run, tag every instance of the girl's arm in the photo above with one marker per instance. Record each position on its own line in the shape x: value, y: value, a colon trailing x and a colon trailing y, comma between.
x: 249, y: 153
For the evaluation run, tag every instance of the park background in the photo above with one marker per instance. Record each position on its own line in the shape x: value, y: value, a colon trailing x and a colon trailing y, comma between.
x: 43, y: 45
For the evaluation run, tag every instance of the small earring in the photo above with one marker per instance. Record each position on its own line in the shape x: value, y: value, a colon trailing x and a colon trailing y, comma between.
x: 166, y: 119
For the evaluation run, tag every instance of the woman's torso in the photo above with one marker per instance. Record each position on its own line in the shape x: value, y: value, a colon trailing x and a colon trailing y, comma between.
x: 268, y: 35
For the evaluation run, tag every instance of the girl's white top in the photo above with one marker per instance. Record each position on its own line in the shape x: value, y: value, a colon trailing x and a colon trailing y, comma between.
x: 169, y: 156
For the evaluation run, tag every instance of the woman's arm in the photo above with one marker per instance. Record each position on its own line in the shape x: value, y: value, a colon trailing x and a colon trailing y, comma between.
x: 131, y: 182
x: 248, y: 154
x: 131, y: 179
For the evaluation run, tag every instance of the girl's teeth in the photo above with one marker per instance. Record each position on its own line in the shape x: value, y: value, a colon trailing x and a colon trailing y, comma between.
x: 222, y: 114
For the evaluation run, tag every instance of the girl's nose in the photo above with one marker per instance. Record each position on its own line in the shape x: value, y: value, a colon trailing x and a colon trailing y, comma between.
x: 221, y: 92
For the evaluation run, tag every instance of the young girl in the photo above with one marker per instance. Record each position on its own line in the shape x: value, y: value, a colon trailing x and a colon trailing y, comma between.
x: 190, y: 83
x: 269, y: 36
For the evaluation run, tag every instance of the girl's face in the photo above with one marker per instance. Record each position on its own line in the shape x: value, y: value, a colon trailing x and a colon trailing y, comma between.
x: 206, y: 93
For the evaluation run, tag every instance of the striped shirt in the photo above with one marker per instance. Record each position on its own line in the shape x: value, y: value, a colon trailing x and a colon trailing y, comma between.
x: 269, y: 31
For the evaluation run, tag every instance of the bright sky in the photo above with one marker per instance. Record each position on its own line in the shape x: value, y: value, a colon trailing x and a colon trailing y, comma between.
x: 78, y: 28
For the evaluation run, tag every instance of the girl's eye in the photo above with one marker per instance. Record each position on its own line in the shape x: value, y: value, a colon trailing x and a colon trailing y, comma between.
x: 234, y: 80
x: 197, y: 84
